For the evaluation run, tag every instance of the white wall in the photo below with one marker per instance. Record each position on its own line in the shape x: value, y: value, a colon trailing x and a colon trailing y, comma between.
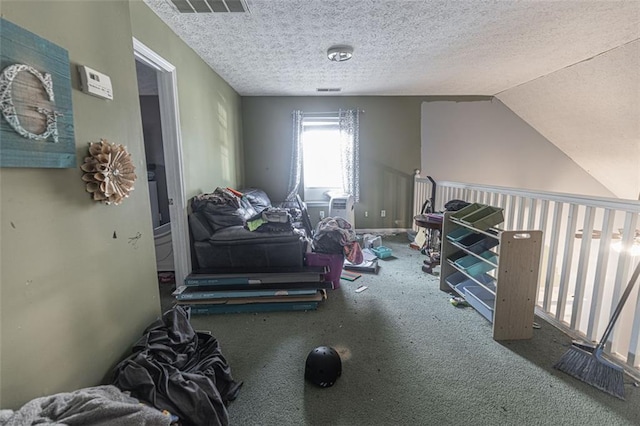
x: 484, y: 142
x: 591, y: 111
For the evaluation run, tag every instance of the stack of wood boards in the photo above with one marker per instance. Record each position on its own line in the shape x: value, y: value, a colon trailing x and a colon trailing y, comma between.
x: 300, y: 289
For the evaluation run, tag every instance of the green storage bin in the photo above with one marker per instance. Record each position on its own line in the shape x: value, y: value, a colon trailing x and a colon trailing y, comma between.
x: 484, y: 218
x: 467, y: 210
x: 458, y: 234
x: 474, y: 266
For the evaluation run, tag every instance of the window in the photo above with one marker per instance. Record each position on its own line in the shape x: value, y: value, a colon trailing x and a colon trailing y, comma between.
x: 326, y: 152
x: 321, y: 157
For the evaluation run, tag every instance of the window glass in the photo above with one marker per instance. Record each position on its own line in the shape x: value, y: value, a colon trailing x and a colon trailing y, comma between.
x: 321, y: 165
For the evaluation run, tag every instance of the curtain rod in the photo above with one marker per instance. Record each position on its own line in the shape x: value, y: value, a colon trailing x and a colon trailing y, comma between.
x: 360, y: 111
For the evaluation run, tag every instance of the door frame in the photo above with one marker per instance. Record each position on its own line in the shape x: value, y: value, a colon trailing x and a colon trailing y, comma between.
x: 172, y: 142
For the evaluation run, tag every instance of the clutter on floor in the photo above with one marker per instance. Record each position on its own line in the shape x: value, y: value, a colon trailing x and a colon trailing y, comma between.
x: 382, y: 252
x: 179, y: 370
x: 333, y: 244
x: 458, y: 301
x: 173, y: 376
x: 266, y: 288
x: 350, y: 275
x: 99, y: 406
x: 369, y: 263
x: 286, y: 289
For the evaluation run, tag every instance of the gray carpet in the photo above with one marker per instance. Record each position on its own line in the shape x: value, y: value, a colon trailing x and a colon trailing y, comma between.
x: 409, y: 358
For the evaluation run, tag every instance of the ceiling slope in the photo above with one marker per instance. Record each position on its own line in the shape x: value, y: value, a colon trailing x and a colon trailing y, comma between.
x: 591, y: 111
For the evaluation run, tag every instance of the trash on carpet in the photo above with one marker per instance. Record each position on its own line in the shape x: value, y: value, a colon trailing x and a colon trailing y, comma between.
x: 349, y: 275
x: 382, y: 252
x: 458, y: 302
x: 369, y: 263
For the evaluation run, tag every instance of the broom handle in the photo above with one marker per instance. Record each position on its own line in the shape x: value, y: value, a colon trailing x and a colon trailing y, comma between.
x: 621, y: 303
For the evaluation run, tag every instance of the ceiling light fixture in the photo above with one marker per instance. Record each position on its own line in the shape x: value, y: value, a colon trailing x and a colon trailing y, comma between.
x: 340, y: 53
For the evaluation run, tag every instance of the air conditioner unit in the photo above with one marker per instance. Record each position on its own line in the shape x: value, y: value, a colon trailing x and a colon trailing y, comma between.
x: 343, y: 206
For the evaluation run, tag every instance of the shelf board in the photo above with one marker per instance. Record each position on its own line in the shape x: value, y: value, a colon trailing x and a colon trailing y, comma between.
x: 463, y: 248
x: 495, y: 234
x: 457, y: 268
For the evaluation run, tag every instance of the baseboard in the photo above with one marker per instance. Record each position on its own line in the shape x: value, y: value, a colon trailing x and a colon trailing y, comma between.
x: 382, y: 231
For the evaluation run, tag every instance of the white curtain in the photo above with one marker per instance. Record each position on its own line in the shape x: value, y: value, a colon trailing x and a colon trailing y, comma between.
x: 295, y: 173
x: 349, y: 124
x: 349, y: 121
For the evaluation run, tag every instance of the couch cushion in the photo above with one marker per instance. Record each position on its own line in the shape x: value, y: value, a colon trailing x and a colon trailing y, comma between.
x: 239, y: 235
x: 200, y: 229
x: 251, y: 256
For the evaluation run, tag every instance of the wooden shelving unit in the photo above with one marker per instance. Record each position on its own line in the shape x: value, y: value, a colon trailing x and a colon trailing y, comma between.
x: 502, y: 284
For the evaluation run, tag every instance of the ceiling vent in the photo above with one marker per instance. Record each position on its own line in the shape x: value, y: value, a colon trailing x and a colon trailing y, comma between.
x: 328, y: 89
x: 209, y: 6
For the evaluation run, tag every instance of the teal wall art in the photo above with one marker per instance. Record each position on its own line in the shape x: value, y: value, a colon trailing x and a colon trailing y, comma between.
x: 36, y: 128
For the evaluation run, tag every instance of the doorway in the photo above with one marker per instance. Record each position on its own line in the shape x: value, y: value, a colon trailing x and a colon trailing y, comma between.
x: 161, y: 123
x: 156, y: 170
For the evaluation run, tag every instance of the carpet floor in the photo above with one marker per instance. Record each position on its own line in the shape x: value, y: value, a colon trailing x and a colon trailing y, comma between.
x: 409, y: 357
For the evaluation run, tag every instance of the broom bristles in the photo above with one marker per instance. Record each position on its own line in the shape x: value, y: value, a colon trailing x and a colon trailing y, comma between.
x: 593, y: 369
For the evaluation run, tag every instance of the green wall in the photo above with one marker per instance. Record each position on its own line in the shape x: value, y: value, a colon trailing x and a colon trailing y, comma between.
x: 210, y: 110
x: 78, y: 281
x: 389, y: 150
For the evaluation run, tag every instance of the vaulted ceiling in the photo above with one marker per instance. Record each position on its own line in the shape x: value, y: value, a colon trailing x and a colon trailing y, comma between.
x: 569, y: 68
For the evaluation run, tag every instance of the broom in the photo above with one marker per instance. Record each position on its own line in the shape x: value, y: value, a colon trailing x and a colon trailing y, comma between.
x: 586, y: 362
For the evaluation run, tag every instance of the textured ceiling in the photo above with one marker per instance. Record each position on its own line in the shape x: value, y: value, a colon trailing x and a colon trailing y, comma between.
x: 591, y: 111
x: 401, y: 47
x: 571, y: 69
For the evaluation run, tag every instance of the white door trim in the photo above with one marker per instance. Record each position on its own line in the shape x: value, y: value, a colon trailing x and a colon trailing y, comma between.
x: 172, y: 141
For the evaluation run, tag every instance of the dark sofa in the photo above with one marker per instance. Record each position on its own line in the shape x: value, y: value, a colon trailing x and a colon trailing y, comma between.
x: 220, y: 241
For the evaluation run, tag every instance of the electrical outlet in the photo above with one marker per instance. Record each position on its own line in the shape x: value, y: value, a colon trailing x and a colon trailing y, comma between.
x: 383, y: 213
x: 321, y: 214
x: 366, y: 214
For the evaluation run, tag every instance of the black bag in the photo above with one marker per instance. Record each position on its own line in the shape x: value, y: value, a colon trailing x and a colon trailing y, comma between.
x: 455, y: 205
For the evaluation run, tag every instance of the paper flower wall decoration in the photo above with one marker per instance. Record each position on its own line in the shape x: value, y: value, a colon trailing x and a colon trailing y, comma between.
x: 109, y: 172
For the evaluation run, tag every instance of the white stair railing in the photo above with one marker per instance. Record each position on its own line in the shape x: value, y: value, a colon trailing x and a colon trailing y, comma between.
x: 591, y: 246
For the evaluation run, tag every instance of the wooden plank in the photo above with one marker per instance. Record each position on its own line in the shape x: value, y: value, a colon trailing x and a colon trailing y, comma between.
x: 447, y: 250
x: 516, y: 284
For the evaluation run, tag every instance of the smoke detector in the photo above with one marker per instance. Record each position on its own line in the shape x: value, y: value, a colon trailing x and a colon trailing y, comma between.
x: 340, y: 53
